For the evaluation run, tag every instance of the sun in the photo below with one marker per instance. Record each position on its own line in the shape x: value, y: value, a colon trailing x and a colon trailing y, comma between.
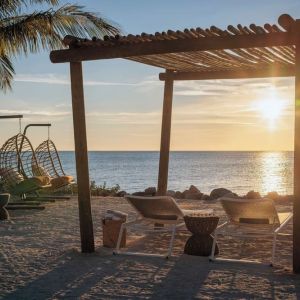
x: 271, y: 108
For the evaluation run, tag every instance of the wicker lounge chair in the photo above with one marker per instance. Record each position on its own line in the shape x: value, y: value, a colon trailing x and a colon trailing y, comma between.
x: 16, y: 156
x: 49, y: 164
x: 156, y: 214
x: 251, y: 218
x: 46, y: 162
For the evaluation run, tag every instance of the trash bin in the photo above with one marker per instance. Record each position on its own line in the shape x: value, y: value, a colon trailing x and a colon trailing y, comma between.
x: 111, y: 224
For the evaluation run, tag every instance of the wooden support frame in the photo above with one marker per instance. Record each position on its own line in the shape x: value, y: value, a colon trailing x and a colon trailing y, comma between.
x: 240, y: 74
x: 185, y: 42
x: 82, y: 168
x: 162, y: 184
x: 173, y: 46
x: 296, y: 206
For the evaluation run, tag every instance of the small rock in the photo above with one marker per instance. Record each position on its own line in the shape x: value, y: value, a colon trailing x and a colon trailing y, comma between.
x: 139, y: 194
x: 193, y: 196
x: 184, y: 193
x: 103, y: 193
x: 289, y: 198
x: 232, y: 195
x: 150, y: 191
x: 218, y: 193
x: 253, y: 195
x: 121, y: 193
x: 194, y: 190
x: 205, y: 197
x: 171, y: 193
x: 178, y: 195
x: 273, y: 195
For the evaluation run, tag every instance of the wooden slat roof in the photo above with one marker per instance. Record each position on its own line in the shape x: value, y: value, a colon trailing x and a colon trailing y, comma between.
x: 210, y: 52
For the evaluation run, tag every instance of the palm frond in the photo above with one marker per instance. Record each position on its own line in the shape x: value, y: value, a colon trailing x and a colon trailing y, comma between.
x: 29, y: 33
x: 45, y: 30
x: 6, y: 72
x: 92, y: 23
x: 11, y: 7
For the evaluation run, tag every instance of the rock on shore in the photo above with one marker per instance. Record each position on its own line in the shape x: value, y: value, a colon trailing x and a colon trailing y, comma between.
x: 194, y: 193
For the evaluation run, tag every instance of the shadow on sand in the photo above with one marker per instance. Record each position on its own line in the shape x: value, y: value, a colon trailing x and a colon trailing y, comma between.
x: 103, y: 276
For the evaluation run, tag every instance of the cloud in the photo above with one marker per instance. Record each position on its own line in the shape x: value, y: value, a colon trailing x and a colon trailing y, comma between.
x: 195, y: 93
x: 13, y: 112
x: 230, y: 87
x: 30, y: 113
x: 222, y: 102
x: 64, y: 105
x: 63, y: 80
x: 180, y: 117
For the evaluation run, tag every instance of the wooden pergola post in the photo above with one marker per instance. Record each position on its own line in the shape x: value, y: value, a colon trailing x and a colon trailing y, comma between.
x: 82, y: 168
x: 296, y: 207
x: 165, y: 136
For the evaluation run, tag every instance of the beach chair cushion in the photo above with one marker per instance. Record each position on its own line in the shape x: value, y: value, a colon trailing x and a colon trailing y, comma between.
x: 157, y: 207
x: 28, y: 185
x: 40, y: 180
x: 11, y: 177
x: 250, y: 211
x: 39, y: 171
x: 254, y: 221
x: 61, y: 181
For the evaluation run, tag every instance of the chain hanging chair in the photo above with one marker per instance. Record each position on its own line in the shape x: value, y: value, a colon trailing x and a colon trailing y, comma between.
x: 50, y: 164
x: 17, y: 159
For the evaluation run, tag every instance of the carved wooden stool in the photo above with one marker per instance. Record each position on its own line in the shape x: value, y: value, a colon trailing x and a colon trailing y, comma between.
x: 200, y: 243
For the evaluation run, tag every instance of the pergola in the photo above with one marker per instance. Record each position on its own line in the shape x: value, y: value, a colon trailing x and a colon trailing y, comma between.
x: 191, y: 54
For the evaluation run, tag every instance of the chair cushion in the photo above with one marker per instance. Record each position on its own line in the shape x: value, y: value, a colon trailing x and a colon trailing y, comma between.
x: 40, y: 180
x: 155, y: 207
x: 39, y: 171
x: 11, y: 177
x: 62, y: 181
x: 254, y: 221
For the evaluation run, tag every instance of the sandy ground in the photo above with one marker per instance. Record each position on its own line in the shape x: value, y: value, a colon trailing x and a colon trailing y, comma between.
x: 40, y: 259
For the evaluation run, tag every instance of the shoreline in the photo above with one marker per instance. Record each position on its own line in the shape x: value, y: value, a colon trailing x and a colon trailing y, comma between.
x: 192, y: 193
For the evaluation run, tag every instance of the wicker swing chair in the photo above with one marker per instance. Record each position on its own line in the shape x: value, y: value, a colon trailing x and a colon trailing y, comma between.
x: 17, y: 161
x: 50, y: 165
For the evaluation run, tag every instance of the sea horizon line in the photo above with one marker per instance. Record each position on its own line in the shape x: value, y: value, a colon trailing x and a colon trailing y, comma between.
x: 67, y: 150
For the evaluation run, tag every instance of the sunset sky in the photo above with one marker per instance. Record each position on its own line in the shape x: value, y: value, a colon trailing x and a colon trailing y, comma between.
x: 124, y: 99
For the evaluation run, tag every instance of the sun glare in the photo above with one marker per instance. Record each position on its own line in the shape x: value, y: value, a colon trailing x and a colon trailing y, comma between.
x: 270, y: 108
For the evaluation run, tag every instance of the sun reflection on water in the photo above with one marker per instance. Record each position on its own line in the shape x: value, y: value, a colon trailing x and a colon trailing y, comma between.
x: 275, y: 172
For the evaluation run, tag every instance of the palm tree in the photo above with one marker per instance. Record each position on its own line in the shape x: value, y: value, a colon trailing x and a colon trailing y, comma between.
x: 24, y: 31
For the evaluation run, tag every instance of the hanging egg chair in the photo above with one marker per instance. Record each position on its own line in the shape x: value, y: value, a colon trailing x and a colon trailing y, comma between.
x: 17, y: 159
x: 50, y: 164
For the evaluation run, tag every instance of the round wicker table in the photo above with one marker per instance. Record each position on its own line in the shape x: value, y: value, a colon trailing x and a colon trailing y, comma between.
x: 201, y: 225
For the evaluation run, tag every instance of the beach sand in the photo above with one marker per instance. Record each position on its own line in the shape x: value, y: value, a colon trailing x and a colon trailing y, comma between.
x: 40, y: 259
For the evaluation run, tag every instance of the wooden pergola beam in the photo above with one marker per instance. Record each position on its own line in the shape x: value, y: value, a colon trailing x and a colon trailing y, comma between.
x: 240, y: 74
x: 85, y: 53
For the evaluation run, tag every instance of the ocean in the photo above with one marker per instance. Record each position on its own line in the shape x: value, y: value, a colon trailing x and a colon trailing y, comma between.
x: 237, y: 171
